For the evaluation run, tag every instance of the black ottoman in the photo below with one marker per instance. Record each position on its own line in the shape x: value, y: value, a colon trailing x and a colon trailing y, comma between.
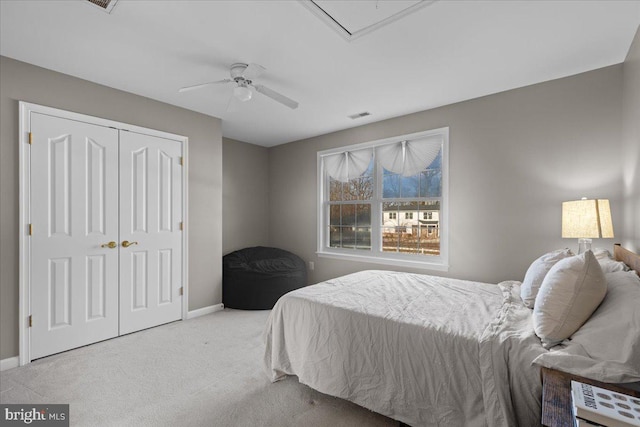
x: 254, y: 278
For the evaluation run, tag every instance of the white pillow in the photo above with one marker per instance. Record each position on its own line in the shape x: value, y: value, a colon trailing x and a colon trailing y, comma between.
x: 608, y: 264
x: 569, y: 294
x: 607, y: 347
x: 611, y: 266
x: 536, y: 273
x: 602, y: 253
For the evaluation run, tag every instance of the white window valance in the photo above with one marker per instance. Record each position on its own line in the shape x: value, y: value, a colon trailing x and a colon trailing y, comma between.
x: 348, y: 164
x: 409, y: 157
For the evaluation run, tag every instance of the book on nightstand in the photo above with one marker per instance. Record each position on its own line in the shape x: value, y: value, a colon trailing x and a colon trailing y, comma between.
x: 601, y: 407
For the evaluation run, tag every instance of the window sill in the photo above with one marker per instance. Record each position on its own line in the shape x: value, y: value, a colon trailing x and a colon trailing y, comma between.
x: 385, y: 261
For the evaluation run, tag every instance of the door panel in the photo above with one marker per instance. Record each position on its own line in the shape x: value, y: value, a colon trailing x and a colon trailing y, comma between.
x: 164, y: 267
x: 150, y: 213
x: 60, y: 292
x: 96, y: 287
x: 139, y: 174
x: 59, y: 166
x: 74, y: 210
x: 96, y: 187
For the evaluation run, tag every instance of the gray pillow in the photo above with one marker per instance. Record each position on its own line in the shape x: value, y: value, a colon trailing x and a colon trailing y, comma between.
x: 569, y: 294
x: 607, y: 347
x: 608, y: 264
x: 537, y: 272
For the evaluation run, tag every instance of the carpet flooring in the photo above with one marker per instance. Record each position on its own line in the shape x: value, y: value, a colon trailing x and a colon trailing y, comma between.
x: 205, y: 371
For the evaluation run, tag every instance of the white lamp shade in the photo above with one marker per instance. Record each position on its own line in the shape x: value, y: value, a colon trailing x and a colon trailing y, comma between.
x: 587, y: 219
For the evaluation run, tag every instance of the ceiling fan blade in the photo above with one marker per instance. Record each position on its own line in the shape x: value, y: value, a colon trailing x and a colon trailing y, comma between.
x: 188, y: 88
x: 277, y: 96
x: 252, y: 71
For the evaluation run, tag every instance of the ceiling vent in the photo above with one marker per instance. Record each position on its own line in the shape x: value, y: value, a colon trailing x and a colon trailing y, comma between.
x: 359, y: 115
x: 106, y: 5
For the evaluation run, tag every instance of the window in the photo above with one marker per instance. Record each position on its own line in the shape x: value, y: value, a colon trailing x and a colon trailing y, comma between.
x: 364, y: 190
x: 350, y: 212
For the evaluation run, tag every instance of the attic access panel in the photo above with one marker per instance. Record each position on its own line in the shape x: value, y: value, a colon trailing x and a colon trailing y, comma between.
x: 355, y: 18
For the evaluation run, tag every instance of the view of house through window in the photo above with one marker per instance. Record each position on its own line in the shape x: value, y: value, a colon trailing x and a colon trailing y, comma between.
x: 385, y: 200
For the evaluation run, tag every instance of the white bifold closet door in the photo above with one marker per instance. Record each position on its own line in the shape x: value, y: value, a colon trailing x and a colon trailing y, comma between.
x: 74, y: 211
x: 106, y: 244
x: 150, y: 216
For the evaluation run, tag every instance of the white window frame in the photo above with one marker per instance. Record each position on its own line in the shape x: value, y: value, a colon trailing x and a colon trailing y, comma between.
x: 376, y: 255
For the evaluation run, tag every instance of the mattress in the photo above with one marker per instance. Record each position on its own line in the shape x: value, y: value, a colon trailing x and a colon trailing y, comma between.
x: 421, y: 349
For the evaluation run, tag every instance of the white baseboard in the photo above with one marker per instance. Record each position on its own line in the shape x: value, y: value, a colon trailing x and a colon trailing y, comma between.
x: 14, y: 362
x: 204, y: 310
x: 8, y: 363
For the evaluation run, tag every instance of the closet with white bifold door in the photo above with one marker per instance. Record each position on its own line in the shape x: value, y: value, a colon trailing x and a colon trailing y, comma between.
x: 102, y: 247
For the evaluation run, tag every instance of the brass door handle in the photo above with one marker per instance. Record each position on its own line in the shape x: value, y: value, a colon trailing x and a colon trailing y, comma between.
x: 126, y: 243
x: 110, y: 245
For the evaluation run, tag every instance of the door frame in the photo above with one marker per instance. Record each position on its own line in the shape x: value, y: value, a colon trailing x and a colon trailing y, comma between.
x: 24, y: 160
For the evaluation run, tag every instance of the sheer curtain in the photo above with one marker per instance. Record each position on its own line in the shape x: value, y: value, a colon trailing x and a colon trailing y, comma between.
x: 409, y: 157
x: 348, y: 165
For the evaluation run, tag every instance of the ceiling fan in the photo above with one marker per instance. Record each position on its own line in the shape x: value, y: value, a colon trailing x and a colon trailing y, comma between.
x: 242, y: 75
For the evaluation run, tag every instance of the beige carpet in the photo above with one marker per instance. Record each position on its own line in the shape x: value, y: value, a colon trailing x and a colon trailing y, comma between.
x: 201, y: 372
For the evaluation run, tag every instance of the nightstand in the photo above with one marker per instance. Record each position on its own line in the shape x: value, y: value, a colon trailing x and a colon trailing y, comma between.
x: 556, y: 396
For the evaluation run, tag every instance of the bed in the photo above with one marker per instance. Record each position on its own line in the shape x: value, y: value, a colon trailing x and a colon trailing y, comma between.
x: 427, y: 350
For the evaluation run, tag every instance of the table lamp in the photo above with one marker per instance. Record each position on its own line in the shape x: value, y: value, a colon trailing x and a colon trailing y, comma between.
x: 586, y: 219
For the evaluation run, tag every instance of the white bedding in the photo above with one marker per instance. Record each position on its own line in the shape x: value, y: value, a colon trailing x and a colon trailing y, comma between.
x: 421, y: 349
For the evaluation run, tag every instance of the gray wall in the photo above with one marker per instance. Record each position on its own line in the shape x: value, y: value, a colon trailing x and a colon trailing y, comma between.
x: 21, y: 81
x: 514, y: 158
x: 245, y: 195
x: 631, y: 146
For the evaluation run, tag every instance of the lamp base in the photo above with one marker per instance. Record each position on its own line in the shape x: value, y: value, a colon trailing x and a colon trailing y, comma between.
x: 584, y: 245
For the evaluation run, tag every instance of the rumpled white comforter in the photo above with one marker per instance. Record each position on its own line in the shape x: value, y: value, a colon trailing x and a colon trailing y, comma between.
x: 424, y: 350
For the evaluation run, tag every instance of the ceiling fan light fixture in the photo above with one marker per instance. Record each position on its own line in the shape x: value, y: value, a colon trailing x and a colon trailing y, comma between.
x: 243, y: 93
x: 242, y: 75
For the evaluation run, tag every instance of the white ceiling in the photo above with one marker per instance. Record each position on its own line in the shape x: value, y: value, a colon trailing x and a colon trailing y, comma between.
x: 446, y: 52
